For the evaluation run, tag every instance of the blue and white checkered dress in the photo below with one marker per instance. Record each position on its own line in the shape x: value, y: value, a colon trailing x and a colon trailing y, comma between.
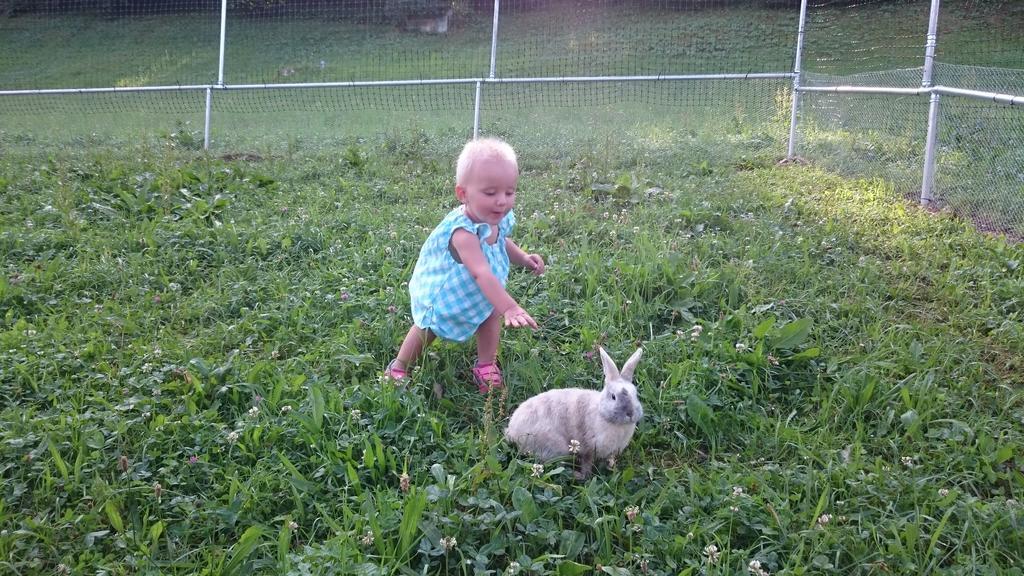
x: 445, y: 298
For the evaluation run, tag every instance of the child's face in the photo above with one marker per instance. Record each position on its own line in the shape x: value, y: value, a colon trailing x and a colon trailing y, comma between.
x: 489, y: 192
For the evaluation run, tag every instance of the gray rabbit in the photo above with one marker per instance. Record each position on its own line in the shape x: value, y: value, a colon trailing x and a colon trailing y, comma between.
x: 590, y: 423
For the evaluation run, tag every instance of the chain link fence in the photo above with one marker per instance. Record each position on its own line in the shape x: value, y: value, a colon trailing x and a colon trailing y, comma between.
x: 864, y: 52
x: 705, y: 81
x: 617, y: 80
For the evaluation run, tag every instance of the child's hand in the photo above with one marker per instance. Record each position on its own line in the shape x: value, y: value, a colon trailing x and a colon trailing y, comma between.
x: 535, y: 263
x: 516, y: 317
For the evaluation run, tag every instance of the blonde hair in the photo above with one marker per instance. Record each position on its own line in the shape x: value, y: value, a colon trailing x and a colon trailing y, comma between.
x: 479, y: 149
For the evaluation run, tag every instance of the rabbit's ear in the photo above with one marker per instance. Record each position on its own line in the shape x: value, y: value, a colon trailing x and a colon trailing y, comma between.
x: 630, y: 365
x: 611, y: 373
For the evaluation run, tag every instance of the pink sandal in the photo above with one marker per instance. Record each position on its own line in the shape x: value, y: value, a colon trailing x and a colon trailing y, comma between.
x: 395, y: 374
x: 487, y: 377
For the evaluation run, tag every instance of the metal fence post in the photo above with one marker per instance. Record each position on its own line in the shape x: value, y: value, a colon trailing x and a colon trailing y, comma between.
x: 206, y: 116
x: 796, y: 79
x: 931, y: 140
x: 490, y: 75
x: 220, y: 73
x: 476, y: 112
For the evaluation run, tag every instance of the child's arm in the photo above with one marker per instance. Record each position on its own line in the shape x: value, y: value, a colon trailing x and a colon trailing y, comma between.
x: 518, y: 257
x: 467, y: 246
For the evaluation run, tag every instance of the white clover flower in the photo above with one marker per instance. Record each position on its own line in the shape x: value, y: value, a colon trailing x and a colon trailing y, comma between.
x: 292, y: 525
x: 712, y: 554
x: 232, y: 437
x: 755, y: 568
x: 367, y: 539
x: 449, y: 543
x: 286, y: 409
x: 356, y: 414
x: 513, y: 568
x: 907, y: 461
x: 631, y: 512
x: 737, y: 491
x: 253, y: 412
x: 943, y: 492
x: 538, y: 469
x: 824, y: 519
x: 741, y: 347
x: 574, y: 446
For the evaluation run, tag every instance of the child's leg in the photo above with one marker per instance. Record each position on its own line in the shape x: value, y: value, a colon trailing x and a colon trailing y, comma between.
x: 487, y: 337
x: 412, y: 347
x: 486, y: 374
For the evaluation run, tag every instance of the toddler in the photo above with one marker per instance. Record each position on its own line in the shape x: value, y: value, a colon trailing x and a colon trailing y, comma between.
x: 458, y: 285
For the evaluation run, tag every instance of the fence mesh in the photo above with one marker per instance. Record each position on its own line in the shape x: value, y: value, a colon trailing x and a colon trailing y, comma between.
x: 313, y: 41
x: 331, y: 41
x: 855, y: 41
x: 93, y: 44
x: 882, y: 43
x: 866, y: 136
x: 981, y: 163
x: 699, y: 125
x: 144, y: 43
x: 981, y: 33
x: 611, y: 37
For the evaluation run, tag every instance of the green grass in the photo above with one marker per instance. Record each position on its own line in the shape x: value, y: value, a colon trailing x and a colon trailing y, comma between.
x: 857, y: 375
x: 190, y: 352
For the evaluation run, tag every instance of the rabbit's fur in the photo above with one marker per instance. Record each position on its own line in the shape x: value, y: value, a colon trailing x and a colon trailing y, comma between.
x: 602, y: 422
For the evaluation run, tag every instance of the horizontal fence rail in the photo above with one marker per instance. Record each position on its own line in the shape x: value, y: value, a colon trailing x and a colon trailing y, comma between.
x: 981, y: 95
x: 1008, y: 99
x: 419, y: 82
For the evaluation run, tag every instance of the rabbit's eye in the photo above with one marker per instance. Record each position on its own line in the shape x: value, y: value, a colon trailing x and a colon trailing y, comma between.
x: 613, y: 396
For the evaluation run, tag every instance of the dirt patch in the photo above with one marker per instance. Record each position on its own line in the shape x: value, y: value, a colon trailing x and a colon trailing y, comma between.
x: 245, y: 156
